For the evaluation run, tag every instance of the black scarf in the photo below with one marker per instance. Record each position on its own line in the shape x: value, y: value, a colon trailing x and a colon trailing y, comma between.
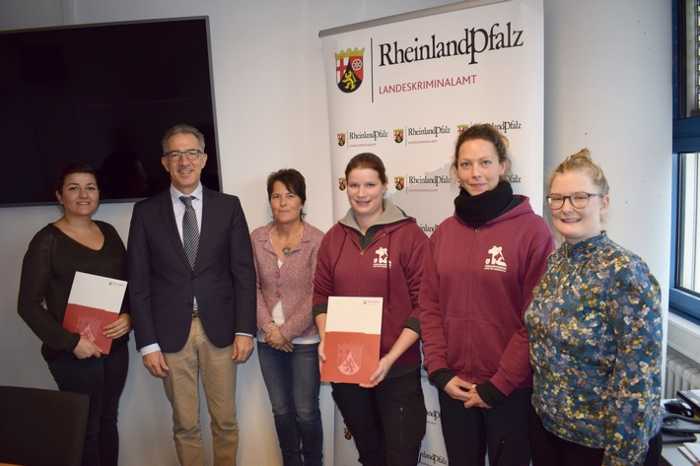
x: 479, y: 209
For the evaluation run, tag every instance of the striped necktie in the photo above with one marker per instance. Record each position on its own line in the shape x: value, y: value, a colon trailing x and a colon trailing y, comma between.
x: 190, y: 232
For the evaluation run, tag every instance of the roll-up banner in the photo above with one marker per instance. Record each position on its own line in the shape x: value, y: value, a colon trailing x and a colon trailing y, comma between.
x: 403, y: 87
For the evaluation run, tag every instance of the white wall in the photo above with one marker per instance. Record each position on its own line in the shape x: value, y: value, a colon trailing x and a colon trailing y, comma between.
x: 607, y: 86
x: 271, y: 113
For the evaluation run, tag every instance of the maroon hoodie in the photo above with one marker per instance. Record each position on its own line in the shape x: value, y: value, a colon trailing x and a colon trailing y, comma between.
x: 477, y: 283
x: 389, y: 265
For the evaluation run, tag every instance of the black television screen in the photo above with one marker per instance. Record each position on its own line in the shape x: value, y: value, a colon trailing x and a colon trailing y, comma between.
x: 102, y: 94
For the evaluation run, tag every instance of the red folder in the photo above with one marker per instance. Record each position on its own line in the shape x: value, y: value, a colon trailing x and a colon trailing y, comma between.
x: 351, y: 357
x: 88, y: 322
x: 351, y: 342
x: 94, y: 302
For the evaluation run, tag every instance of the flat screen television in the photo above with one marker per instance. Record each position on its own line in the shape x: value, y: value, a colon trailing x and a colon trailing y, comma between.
x: 102, y: 94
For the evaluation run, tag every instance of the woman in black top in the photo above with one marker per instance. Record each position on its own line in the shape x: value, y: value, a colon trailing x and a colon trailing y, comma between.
x: 77, y: 243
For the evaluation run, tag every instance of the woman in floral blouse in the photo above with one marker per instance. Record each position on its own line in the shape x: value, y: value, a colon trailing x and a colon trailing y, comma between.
x: 595, y: 336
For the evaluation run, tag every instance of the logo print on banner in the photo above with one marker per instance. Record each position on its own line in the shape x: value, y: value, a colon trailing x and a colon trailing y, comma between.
x: 428, y: 229
x: 431, y: 458
x: 342, y: 184
x: 382, y: 260
x: 399, y: 182
x: 496, y: 261
x: 349, y: 358
x: 349, y: 69
x: 433, y: 416
x: 462, y: 128
x: 507, y: 125
x: 398, y: 135
x: 514, y: 178
x: 341, y: 139
x: 427, y: 182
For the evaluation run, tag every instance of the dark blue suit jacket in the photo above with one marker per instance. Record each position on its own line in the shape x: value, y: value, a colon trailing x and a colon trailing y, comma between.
x: 162, y: 285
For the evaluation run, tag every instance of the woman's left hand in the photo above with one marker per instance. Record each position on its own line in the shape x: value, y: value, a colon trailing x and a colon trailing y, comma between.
x: 274, y: 338
x: 119, y: 327
x: 378, y: 376
x: 474, y: 400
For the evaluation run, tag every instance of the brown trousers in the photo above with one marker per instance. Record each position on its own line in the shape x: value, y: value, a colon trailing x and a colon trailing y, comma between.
x: 200, y: 357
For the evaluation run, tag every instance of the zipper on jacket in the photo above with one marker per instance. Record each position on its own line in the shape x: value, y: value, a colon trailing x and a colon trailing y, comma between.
x: 376, y: 238
x: 470, y: 364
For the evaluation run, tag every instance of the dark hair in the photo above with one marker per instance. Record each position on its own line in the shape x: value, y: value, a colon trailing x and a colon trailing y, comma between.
x: 488, y: 133
x: 182, y: 128
x: 367, y: 160
x: 291, y: 179
x: 74, y: 167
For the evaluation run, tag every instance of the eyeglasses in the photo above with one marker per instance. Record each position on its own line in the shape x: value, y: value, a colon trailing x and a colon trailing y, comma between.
x: 190, y: 154
x: 578, y: 200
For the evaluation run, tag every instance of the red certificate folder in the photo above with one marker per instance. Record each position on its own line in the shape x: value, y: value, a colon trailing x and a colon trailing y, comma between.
x: 94, y: 302
x: 351, y: 344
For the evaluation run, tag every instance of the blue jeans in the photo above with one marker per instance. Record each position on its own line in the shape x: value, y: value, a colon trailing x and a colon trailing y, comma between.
x: 293, y: 383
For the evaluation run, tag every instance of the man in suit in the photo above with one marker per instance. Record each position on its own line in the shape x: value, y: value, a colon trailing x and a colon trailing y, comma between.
x: 192, y: 294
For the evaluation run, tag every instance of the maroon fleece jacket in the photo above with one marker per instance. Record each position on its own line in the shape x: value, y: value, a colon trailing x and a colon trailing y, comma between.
x: 389, y: 266
x: 477, y: 283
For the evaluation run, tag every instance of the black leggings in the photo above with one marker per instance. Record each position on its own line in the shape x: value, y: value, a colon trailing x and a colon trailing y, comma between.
x: 550, y: 450
x: 102, y: 379
x: 472, y: 432
x: 387, y: 421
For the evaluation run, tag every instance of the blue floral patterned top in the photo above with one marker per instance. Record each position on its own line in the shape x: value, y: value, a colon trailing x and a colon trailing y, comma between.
x: 595, y: 349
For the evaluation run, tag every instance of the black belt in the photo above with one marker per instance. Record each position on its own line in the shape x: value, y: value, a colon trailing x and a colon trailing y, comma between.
x: 195, y: 314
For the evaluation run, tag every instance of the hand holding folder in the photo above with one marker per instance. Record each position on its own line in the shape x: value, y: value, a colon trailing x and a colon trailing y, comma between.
x: 93, y: 303
x: 352, y: 338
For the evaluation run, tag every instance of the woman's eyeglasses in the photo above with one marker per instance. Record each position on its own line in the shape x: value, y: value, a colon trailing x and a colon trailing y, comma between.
x: 578, y: 200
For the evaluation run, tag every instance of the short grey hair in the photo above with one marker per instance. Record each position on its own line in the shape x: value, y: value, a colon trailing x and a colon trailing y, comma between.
x: 182, y: 128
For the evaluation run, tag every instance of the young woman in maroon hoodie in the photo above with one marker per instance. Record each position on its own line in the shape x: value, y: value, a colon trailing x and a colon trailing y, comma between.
x: 478, y: 278
x: 377, y: 250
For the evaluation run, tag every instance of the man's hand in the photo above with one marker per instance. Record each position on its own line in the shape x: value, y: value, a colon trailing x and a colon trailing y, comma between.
x: 86, y: 349
x: 155, y: 363
x: 242, y: 347
x: 459, y: 389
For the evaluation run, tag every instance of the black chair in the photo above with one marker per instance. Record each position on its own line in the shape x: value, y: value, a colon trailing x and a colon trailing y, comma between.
x: 42, y: 427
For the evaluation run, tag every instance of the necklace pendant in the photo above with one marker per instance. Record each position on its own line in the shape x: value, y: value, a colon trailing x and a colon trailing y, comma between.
x: 286, y: 251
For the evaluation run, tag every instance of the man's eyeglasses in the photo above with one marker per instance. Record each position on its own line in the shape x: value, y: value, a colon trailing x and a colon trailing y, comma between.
x: 190, y: 154
x: 578, y: 200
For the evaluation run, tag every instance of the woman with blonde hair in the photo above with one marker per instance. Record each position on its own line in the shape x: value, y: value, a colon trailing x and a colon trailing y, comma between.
x: 595, y: 336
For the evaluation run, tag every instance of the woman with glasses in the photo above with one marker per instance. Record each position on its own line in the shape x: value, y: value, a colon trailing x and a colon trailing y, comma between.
x: 478, y: 278
x: 285, y: 253
x: 76, y: 242
x: 595, y: 336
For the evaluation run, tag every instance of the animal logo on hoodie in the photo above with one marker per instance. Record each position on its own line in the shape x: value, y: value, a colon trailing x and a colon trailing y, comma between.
x: 382, y: 260
x: 497, y: 261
